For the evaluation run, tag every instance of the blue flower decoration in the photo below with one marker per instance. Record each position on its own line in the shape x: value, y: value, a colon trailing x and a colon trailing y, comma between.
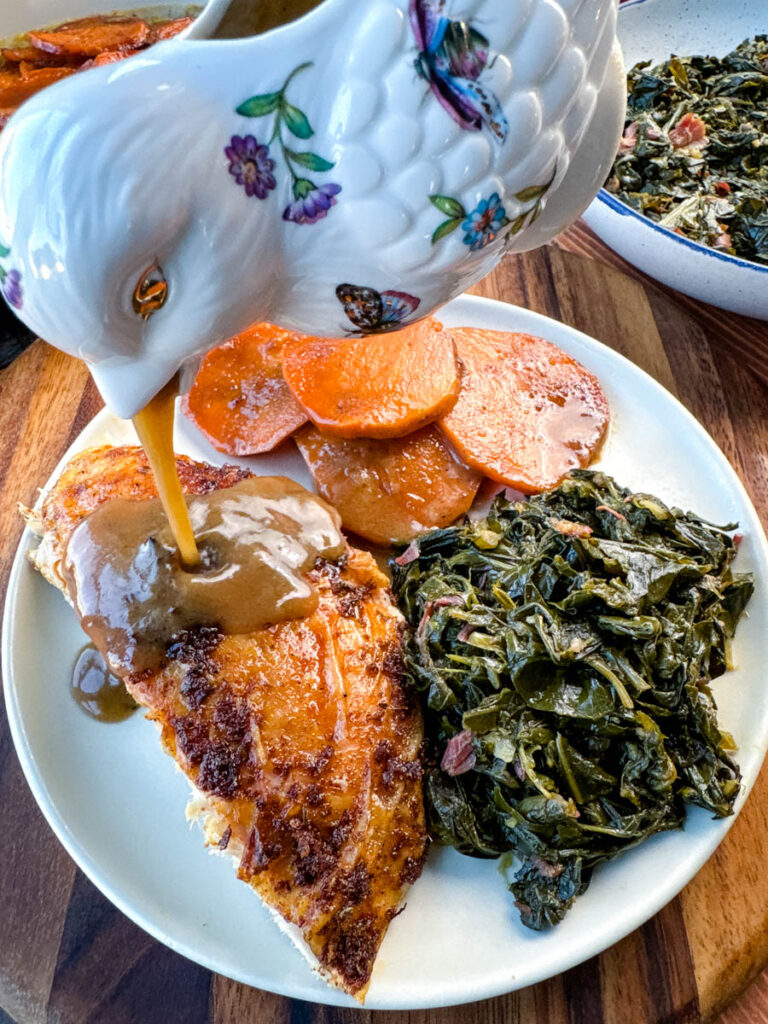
x: 483, y: 224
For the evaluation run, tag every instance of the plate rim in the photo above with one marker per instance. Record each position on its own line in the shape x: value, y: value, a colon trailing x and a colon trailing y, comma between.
x: 296, y: 986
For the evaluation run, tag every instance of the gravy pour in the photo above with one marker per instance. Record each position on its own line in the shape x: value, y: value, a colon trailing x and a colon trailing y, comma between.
x: 154, y: 425
x: 256, y: 540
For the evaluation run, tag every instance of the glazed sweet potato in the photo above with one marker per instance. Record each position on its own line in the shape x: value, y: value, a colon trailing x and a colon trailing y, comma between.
x: 390, y: 491
x: 74, y: 46
x: 527, y: 412
x: 239, y: 399
x: 108, y: 57
x: 168, y: 29
x: 38, y: 77
x: 88, y: 38
x: 15, y: 88
x: 30, y: 55
x: 383, y: 385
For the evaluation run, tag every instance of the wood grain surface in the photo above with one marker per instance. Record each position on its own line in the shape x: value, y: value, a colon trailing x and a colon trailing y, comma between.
x: 68, y: 956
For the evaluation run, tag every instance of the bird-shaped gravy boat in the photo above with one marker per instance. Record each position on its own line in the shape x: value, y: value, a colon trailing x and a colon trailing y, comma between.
x: 345, y: 173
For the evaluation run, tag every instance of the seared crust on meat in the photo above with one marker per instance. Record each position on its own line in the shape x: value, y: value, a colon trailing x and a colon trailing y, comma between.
x: 303, y: 736
x: 98, y: 474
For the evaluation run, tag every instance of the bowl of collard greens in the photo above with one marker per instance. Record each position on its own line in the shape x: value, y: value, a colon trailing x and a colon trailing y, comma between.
x: 687, y: 199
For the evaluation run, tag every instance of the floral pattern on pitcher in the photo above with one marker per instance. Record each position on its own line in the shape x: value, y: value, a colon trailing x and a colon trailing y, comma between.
x: 252, y: 164
x: 374, y: 312
x: 10, y: 282
x: 488, y: 219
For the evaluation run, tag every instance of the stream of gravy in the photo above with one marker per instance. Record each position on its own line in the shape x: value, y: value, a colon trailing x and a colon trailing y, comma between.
x: 154, y: 425
x: 256, y: 540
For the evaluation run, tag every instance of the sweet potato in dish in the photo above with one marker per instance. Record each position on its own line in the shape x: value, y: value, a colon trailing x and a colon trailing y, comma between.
x: 30, y: 55
x: 15, y: 88
x: 108, y: 57
x: 527, y: 413
x: 382, y: 385
x: 43, y: 57
x: 167, y: 29
x: 36, y: 78
x: 88, y: 37
x: 390, y: 491
x: 239, y: 399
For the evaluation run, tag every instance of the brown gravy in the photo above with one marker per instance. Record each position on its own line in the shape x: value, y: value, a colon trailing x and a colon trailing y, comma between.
x: 256, y: 541
x: 154, y: 425
x: 252, y: 17
x: 100, y: 694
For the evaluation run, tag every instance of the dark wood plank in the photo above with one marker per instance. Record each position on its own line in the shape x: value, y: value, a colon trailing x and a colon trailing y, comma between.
x: 99, y: 948
x: 160, y: 986
x: 744, y: 337
x: 40, y: 394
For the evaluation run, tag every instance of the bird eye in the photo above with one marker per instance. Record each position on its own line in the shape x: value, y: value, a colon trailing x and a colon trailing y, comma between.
x: 150, y: 292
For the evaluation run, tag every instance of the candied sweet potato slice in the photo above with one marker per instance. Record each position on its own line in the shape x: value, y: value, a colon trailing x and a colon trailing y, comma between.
x: 390, y: 491
x: 108, y: 57
x: 30, y: 55
x: 16, y: 88
x: 527, y: 412
x: 89, y: 40
x: 90, y: 21
x: 167, y: 29
x: 42, y: 76
x: 239, y: 399
x: 16, y: 54
x: 383, y: 385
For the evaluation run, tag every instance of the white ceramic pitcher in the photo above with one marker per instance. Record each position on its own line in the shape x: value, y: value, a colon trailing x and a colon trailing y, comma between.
x: 347, y: 172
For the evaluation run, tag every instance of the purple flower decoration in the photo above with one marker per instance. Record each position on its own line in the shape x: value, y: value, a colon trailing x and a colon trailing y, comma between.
x: 11, y: 285
x: 250, y: 165
x: 482, y: 226
x: 311, y: 202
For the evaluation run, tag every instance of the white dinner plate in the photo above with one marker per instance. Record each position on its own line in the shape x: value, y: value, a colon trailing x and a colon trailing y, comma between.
x: 116, y: 803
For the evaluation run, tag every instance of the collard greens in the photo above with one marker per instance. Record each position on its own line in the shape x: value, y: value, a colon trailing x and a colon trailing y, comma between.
x: 709, y: 183
x: 563, y: 647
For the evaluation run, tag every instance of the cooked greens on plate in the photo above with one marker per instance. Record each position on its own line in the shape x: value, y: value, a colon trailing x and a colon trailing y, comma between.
x: 564, y: 647
x: 694, y: 156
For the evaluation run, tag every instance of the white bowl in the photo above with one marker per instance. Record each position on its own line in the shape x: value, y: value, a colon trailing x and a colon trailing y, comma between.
x: 652, y: 30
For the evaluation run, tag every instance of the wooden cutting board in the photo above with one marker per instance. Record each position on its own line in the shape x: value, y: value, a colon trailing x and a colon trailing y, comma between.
x: 68, y: 956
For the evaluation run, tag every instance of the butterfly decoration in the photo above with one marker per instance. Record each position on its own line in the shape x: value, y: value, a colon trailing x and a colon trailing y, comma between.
x: 452, y: 56
x: 375, y: 312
